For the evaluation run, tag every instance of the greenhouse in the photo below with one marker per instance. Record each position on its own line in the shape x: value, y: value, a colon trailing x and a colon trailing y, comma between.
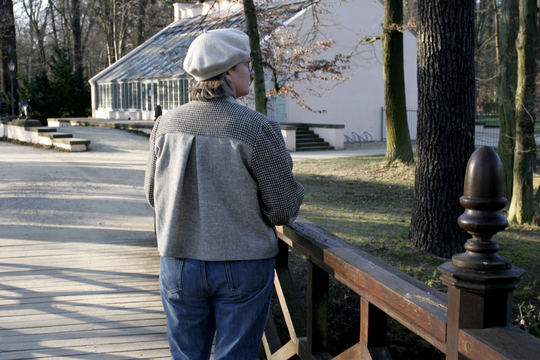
x: 152, y: 74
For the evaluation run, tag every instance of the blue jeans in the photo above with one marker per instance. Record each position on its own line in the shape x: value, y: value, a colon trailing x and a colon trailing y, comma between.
x: 228, y: 298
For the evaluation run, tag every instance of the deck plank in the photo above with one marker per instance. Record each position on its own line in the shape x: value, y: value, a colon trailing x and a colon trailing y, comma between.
x: 81, y: 300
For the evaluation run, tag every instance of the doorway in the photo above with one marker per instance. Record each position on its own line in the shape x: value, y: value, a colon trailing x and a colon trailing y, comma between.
x: 149, y: 99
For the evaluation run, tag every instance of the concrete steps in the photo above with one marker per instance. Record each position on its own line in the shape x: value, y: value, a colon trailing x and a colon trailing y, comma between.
x: 40, y: 129
x: 56, y: 135
x: 31, y: 131
x: 307, y: 140
x: 73, y: 144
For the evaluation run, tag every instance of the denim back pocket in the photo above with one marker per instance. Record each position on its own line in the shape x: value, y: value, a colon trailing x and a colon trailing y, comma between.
x: 170, y: 274
x: 249, y: 276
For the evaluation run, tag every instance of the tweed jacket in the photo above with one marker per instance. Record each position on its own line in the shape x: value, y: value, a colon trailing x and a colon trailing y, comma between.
x: 219, y: 177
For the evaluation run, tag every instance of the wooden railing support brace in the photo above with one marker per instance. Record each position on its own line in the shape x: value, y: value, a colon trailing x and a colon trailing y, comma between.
x: 317, y: 309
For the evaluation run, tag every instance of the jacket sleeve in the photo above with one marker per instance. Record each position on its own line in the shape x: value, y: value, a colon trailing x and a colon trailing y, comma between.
x: 280, y: 194
x: 151, y: 167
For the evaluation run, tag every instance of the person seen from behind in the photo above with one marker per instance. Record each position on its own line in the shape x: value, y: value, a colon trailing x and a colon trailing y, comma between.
x: 219, y: 178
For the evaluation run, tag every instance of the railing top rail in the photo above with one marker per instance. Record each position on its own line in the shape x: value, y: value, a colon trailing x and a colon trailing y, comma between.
x: 416, y: 305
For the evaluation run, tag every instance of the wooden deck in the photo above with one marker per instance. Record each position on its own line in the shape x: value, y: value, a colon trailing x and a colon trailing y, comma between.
x: 78, y: 258
x: 81, y: 300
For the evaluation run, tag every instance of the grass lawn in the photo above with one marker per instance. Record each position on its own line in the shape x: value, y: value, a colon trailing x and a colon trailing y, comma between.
x: 370, y: 206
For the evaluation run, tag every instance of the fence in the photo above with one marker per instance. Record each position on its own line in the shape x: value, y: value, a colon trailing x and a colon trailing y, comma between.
x: 471, y: 322
x: 486, y: 128
x: 412, y: 121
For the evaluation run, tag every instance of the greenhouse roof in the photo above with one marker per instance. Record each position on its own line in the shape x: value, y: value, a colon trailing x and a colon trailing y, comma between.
x: 162, y: 55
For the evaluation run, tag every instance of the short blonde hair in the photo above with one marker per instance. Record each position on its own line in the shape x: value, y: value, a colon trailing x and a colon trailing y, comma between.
x: 214, y: 88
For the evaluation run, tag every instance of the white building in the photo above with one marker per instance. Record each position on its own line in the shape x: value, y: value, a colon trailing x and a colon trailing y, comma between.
x: 152, y: 73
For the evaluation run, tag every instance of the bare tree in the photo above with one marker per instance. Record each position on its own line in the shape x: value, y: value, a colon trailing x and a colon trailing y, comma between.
x: 296, y: 61
x: 37, y: 16
x: 8, y: 45
x: 256, y: 54
x: 114, y: 17
x: 76, y: 28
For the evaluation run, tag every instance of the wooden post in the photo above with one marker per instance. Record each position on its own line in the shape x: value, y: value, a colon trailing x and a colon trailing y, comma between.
x: 480, y: 281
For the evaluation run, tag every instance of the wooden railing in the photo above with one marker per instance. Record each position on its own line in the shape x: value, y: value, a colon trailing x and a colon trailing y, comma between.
x: 472, y: 322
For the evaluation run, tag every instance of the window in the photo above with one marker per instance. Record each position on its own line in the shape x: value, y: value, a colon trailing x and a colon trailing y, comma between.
x: 100, y: 96
x: 182, y: 90
x: 175, y: 93
x: 155, y: 92
x: 130, y: 95
x: 149, y: 95
x: 165, y: 95
x: 143, y: 91
x: 138, y: 95
x: 109, y: 96
x: 160, y: 97
x: 125, y: 95
x: 115, y: 96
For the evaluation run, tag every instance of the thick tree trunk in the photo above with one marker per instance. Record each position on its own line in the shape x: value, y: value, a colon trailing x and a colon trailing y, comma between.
x: 8, y: 45
x: 522, y: 206
x: 446, y: 104
x: 256, y: 55
x: 77, y: 33
x: 507, y: 90
x: 398, y: 140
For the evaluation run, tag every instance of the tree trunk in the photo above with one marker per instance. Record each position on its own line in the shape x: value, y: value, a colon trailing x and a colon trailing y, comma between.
x: 522, y: 206
x: 446, y: 103
x: 256, y: 55
x: 50, y: 9
x: 507, y: 90
x: 77, y: 33
x: 141, y: 21
x: 398, y: 140
x: 8, y: 45
x: 39, y: 26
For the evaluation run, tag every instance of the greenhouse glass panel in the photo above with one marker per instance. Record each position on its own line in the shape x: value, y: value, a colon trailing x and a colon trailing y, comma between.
x: 175, y: 93
x: 138, y: 93
x: 165, y: 95
x: 130, y: 97
x: 160, y: 97
x: 100, y: 96
x: 143, y: 97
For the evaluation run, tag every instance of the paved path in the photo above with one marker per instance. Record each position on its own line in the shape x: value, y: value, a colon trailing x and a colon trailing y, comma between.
x: 78, y: 260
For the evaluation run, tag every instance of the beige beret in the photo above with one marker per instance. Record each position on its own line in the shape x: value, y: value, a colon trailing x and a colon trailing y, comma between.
x: 216, y: 51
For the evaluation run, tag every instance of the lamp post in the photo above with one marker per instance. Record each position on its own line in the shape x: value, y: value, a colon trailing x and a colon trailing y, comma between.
x: 11, y: 66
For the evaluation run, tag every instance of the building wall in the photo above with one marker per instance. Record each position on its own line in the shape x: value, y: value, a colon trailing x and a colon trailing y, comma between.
x: 356, y: 103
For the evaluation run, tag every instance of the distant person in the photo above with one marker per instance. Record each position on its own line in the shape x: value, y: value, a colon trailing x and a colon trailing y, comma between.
x: 219, y: 178
x: 157, y: 112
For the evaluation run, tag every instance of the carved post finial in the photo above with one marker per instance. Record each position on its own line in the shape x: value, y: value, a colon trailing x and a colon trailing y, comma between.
x: 480, y: 281
x: 483, y: 201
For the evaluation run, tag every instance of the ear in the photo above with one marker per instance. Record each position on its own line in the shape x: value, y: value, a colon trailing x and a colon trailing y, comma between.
x: 228, y: 74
